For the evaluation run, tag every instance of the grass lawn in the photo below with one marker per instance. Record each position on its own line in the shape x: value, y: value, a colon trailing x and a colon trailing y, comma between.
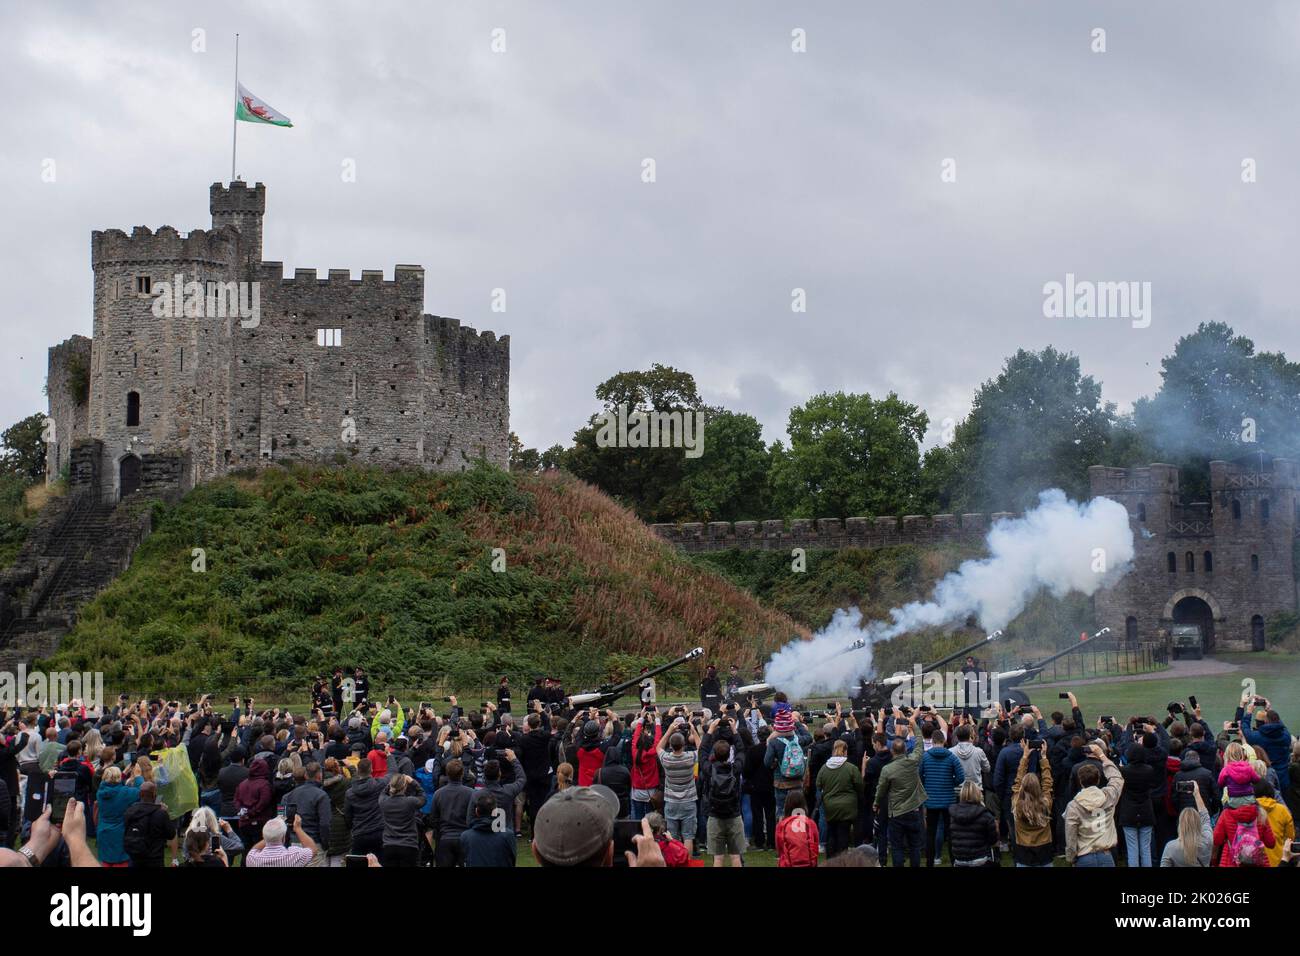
x: 1276, y: 676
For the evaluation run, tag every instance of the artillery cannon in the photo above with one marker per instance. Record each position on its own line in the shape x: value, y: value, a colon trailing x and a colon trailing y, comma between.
x: 875, y: 694
x: 1010, y: 681
x: 609, y: 693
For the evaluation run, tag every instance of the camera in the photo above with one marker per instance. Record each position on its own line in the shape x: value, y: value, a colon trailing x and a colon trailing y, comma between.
x: 1185, y: 786
x: 1174, y: 707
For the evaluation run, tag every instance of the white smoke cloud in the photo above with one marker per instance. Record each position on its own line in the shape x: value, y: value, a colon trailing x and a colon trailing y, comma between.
x: 1060, y: 547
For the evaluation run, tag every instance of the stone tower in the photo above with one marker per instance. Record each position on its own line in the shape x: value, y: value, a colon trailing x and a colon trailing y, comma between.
x: 1227, y: 564
x: 205, y: 358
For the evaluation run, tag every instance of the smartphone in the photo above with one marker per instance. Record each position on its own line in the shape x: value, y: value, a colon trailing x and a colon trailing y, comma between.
x: 624, y: 831
x: 1191, y: 699
x: 59, y: 789
x: 1065, y: 696
x: 356, y: 860
x: 1107, y: 718
x: 1185, y: 786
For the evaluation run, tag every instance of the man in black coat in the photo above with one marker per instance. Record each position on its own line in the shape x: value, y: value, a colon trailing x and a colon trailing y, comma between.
x: 146, y: 828
x: 535, y: 757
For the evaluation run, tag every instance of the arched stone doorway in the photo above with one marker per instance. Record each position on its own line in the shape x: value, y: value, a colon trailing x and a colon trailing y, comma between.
x: 1195, y: 610
x: 128, y: 476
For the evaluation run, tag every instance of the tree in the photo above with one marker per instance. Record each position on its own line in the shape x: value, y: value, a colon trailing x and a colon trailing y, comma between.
x: 849, y: 455
x: 1218, y: 398
x: 24, y: 448
x: 728, y: 482
x: 647, y: 480
x: 1040, y: 424
x: 521, y: 458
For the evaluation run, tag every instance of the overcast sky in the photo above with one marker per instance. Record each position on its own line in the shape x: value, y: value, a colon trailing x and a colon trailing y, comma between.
x: 775, y: 170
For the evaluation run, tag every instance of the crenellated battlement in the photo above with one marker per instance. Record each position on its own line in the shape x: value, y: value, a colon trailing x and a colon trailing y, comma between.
x: 215, y: 247
x: 238, y: 197
x: 408, y: 278
x: 781, y: 535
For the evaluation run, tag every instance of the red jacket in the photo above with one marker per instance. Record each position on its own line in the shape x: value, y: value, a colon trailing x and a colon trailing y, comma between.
x: 796, y: 840
x: 590, y: 760
x: 378, y: 763
x: 645, y: 763
x: 1227, y: 827
x: 674, y: 852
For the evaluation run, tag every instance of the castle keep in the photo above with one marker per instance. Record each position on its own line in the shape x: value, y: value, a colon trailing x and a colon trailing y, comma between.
x: 323, y: 368
x: 1228, y: 565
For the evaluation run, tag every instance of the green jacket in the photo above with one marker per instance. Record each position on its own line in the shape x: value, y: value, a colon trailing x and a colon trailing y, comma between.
x: 841, y: 789
x: 900, y: 782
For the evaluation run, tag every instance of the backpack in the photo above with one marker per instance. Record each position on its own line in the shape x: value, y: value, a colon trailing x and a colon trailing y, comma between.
x: 724, y: 794
x: 135, y: 836
x: 1246, y: 848
x: 793, y: 763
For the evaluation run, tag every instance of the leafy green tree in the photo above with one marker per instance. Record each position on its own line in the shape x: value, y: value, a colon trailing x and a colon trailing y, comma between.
x: 849, y: 455
x: 1219, y: 398
x: 647, y: 480
x: 24, y: 449
x: 1040, y: 424
x: 728, y: 482
x: 521, y: 458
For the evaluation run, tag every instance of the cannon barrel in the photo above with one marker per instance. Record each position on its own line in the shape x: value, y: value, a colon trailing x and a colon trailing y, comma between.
x: 962, y: 652
x: 1021, y: 674
x: 612, y: 692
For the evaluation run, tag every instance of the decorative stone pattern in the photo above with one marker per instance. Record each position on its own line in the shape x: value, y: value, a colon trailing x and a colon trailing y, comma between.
x: 217, y: 393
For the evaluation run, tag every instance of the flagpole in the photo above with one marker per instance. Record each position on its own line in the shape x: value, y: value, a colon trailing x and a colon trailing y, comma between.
x: 234, y: 115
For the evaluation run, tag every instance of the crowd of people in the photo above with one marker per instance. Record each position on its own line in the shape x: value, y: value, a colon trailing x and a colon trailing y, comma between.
x: 363, y: 782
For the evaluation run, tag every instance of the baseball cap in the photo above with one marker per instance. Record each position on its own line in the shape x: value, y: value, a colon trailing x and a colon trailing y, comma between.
x: 575, y: 824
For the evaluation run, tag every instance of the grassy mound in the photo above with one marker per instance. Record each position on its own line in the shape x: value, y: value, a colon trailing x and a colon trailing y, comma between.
x: 393, y: 570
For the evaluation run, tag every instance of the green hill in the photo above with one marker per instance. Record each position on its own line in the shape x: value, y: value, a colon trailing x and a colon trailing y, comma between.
x: 393, y: 570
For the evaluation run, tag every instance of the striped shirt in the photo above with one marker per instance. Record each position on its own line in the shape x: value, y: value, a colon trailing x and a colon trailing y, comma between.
x: 279, y: 855
x: 679, y: 775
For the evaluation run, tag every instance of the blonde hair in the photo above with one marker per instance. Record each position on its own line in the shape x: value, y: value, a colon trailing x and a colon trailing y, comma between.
x: 112, y: 775
x: 1189, y: 835
x: 971, y: 792
x: 145, y: 766
x: 203, y: 821
x: 92, y: 744
x: 1029, y: 805
x: 1234, y: 752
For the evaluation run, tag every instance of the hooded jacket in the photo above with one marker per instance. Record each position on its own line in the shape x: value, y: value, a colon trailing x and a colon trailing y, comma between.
x: 1192, y: 770
x: 974, y: 832
x: 1276, y: 741
x: 1239, y: 777
x: 941, y: 775
x: 974, y: 761
x: 840, y: 785
x: 1283, y: 826
x: 1226, y: 829
x: 361, y: 807
x: 311, y: 803
x: 253, y: 795
x: 796, y: 841
x: 484, y: 846
x: 336, y: 788
x: 1090, y: 817
x: 1140, y: 782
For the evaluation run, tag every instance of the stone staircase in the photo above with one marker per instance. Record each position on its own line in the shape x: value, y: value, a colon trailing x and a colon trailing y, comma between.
x: 70, y: 556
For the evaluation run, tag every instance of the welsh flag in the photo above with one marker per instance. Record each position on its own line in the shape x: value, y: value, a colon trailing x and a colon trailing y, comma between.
x: 250, y: 109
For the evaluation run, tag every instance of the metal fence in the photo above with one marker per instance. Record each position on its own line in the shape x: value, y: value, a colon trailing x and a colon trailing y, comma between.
x: 1098, y: 659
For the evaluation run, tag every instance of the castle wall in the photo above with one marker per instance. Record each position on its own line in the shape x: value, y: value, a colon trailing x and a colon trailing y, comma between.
x: 467, y: 396
x: 67, y: 385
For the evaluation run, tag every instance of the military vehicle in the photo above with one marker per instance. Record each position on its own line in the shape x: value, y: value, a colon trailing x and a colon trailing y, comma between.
x: 609, y: 693
x: 1186, y: 642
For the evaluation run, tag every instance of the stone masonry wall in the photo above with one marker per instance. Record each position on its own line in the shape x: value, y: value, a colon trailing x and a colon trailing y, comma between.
x: 68, y: 361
